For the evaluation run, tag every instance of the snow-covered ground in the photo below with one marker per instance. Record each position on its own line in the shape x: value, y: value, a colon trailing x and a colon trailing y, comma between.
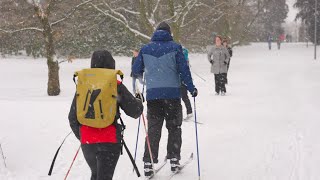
x: 266, y: 128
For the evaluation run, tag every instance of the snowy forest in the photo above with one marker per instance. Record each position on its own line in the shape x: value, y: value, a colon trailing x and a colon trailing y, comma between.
x: 76, y: 28
x: 63, y: 29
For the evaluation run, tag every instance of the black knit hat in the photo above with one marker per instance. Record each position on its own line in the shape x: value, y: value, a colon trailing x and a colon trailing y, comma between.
x: 102, y: 59
x: 164, y: 26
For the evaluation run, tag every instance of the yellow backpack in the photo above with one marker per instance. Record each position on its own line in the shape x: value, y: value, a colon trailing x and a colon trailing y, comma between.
x: 96, y: 96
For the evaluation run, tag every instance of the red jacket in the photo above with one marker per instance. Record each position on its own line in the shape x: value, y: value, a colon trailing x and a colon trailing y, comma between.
x: 90, y: 135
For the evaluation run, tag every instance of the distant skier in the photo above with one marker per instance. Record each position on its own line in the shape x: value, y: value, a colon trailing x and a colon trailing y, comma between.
x: 184, y: 91
x: 225, y: 44
x: 219, y: 57
x: 135, y: 53
x: 163, y: 63
x: 278, y: 42
x: 101, y: 147
x: 270, y: 39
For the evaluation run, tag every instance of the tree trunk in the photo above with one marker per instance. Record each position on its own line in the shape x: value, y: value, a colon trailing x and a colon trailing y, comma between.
x: 175, y: 28
x: 53, y: 78
x: 53, y: 88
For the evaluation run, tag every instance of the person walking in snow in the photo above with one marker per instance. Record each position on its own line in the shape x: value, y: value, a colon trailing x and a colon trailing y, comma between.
x: 135, y: 53
x: 225, y: 44
x: 101, y: 146
x: 164, y: 67
x: 269, y: 39
x: 279, y: 42
x: 184, y: 91
x: 219, y: 57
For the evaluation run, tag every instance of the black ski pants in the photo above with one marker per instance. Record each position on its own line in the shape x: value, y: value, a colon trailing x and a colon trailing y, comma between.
x: 158, y: 111
x: 228, y: 70
x: 185, y: 98
x: 220, y: 82
x: 102, y: 159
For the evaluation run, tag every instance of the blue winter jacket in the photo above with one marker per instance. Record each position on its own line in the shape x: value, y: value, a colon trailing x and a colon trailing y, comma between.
x: 163, y: 63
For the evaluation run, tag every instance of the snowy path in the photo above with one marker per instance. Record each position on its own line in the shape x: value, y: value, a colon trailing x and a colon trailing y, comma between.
x: 266, y: 127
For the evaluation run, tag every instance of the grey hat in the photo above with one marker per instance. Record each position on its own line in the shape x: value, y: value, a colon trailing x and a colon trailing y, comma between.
x: 164, y: 26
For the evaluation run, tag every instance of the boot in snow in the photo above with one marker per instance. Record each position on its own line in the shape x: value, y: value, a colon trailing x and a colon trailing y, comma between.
x: 174, y: 164
x: 148, y: 170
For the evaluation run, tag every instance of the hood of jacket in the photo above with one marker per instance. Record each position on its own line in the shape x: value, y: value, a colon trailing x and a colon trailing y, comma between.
x: 161, y: 35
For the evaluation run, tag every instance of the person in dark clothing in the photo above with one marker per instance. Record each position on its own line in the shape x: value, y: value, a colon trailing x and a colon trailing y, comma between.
x: 135, y: 77
x: 269, y: 39
x: 164, y: 65
x: 278, y: 43
x: 225, y: 44
x: 184, y: 91
x: 218, y: 56
x: 101, y: 146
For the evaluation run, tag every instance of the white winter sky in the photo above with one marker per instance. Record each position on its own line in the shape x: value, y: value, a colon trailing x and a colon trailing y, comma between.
x: 292, y: 11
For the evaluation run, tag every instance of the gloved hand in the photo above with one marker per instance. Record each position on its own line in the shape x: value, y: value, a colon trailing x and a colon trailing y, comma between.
x: 195, y: 92
x: 225, y: 63
x: 140, y: 97
x: 211, y: 62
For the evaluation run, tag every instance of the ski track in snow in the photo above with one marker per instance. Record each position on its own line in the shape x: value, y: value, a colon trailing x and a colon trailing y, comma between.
x: 266, y: 128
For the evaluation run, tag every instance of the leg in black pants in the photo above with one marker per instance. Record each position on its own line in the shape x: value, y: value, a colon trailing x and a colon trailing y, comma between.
x: 185, y: 98
x: 216, y: 80
x: 227, y: 71
x: 155, y: 117
x: 102, y: 159
x: 173, y: 116
x: 223, y: 79
x: 158, y: 110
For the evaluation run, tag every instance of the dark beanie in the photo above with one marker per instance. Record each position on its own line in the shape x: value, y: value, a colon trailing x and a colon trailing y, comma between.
x: 164, y: 26
x: 102, y: 59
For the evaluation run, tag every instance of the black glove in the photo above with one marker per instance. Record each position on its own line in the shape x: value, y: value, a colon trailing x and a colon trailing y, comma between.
x: 140, y: 97
x: 195, y: 92
x: 225, y: 63
x: 211, y: 62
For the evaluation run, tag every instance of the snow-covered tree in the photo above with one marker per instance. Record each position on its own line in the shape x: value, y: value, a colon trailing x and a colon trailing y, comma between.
x: 307, y: 15
x: 41, y: 18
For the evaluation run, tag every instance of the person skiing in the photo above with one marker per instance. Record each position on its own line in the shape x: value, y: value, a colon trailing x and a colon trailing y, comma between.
x: 279, y: 42
x: 219, y: 57
x: 135, y: 53
x: 269, y: 39
x: 225, y: 44
x: 163, y: 63
x: 101, y: 146
x: 184, y: 91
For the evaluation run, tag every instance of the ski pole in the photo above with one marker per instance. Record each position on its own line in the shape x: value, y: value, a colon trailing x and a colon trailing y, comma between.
x: 136, y: 149
x: 148, y: 142
x: 196, y: 127
x: 4, y: 159
x: 198, y: 76
x: 72, y: 163
x: 56, y: 155
x: 137, y: 140
x: 147, y: 137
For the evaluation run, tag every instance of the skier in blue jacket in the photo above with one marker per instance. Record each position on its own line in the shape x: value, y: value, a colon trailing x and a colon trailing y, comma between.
x: 164, y: 67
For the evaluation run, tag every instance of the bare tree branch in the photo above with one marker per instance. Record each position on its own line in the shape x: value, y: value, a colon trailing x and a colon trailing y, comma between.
x: 121, y: 20
x: 23, y: 29
x: 127, y: 10
x: 71, y: 12
x: 212, y: 9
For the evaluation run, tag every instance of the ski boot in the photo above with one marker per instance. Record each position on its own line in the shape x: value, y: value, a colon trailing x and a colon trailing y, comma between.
x: 148, y: 170
x: 174, y: 164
